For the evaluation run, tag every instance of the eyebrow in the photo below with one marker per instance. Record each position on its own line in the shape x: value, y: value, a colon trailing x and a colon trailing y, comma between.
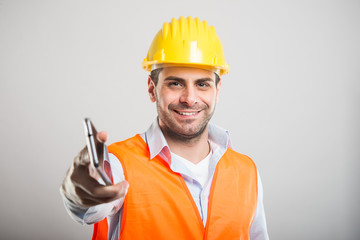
x: 205, y: 80
x: 174, y: 78
x: 169, y: 78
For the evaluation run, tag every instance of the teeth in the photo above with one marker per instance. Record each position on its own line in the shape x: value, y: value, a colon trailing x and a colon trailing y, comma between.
x: 187, y: 113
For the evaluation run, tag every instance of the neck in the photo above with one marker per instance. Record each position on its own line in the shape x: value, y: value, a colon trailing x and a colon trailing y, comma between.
x: 194, y: 150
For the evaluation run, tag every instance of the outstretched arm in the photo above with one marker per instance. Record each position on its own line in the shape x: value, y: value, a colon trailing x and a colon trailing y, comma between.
x: 82, y: 192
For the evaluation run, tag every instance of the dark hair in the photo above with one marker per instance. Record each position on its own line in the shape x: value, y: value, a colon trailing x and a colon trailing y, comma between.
x: 155, y: 76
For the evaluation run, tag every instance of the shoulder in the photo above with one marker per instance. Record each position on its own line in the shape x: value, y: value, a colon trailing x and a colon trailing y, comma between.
x: 237, y: 158
x: 129, y: 147
x: 130, y: 143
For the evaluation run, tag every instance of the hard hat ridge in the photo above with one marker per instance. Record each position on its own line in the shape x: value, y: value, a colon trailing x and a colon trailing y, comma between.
x: 186, y: 42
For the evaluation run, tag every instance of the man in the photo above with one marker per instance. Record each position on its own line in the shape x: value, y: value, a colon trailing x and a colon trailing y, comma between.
x: 180, y: 179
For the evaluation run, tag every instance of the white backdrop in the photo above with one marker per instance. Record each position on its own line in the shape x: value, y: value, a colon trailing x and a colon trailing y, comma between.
x: 291, y: 102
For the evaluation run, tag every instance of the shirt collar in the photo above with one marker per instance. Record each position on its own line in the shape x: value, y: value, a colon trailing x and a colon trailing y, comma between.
x: 158, y: 145
x: 155, y: 139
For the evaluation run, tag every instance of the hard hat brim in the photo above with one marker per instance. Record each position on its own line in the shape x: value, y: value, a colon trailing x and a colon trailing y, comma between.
x: 152, y: 65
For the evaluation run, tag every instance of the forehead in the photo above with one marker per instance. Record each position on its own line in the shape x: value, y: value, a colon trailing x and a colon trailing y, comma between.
x: 187, y: 73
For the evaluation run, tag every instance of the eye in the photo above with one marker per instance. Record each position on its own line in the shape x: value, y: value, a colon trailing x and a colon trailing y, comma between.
x: 203, y: 85
x: 174, y: 84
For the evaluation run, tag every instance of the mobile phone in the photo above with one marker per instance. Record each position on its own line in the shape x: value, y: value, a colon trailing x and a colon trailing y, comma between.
x: 97, y: 151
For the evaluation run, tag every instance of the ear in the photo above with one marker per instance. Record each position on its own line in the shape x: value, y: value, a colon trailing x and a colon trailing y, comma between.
x: 151, y: 89
x: 218, y: 86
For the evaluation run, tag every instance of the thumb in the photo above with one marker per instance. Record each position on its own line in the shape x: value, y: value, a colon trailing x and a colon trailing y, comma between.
x: 102, y: 136
x: 122, y: 188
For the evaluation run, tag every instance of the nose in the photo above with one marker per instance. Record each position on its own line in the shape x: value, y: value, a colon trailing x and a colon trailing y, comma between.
x: 189, y: 96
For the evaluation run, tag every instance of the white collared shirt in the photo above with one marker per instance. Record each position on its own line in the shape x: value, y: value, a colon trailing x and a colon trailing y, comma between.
x: 200, y: 190
x: 200, y: 170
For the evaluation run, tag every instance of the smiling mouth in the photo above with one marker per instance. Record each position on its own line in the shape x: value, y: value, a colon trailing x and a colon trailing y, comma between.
x: 186, y: 113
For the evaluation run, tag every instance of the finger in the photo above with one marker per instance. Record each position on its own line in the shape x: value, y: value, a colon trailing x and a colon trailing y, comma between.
x: 108, y: 194
x: 102, y: 136
x: 83, y: 157
x: 85, y: 191
x: 86, y: 200
x: 97, y: 190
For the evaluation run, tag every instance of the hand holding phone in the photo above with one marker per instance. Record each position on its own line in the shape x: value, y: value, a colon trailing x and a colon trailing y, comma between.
x: 98, y: 152
x: 80, y: 186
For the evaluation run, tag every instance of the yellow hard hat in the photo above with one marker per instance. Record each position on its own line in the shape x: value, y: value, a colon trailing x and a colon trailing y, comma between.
x: 186, y: 42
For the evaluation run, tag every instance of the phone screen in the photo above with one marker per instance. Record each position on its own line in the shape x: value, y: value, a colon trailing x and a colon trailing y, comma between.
x: 99, y: 156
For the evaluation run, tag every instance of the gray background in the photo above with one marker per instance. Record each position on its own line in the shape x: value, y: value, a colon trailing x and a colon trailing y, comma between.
x: 291, y: 102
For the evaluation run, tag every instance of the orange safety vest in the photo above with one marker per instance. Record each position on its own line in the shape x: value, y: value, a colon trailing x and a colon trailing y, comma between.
x: 158, y: 204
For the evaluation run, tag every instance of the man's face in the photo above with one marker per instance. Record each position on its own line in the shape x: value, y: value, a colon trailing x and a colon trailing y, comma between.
x: 185, y: 99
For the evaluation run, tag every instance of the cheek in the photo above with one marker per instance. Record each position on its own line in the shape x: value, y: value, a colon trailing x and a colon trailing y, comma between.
x: 165, y: 98
x: 210, y: 99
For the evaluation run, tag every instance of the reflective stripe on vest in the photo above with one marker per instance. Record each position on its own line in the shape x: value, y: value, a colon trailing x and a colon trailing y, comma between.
x: 158, y: 204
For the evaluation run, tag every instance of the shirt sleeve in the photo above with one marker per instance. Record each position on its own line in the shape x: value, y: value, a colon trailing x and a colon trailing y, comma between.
x: 258, y: 229
x: 99, y: 212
